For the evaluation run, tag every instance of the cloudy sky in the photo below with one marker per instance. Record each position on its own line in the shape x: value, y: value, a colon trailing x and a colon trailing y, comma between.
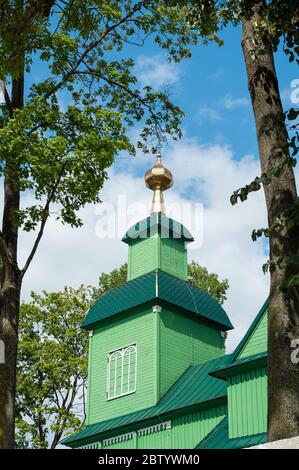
x: 217, y: 154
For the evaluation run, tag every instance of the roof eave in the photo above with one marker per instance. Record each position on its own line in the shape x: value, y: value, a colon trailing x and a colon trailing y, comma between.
x: 174, y: 411
x: 253, y: 362
x: 196, y: 316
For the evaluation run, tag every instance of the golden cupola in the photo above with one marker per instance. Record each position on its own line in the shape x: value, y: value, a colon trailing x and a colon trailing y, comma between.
x: 158, y: 179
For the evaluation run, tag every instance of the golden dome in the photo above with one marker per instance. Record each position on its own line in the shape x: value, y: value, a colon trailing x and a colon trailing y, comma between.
x: 158, y: 179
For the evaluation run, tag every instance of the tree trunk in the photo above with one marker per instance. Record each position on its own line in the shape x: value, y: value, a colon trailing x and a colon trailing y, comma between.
x: 10, y: 287
x: 283, y: 316
x: 9, y: 310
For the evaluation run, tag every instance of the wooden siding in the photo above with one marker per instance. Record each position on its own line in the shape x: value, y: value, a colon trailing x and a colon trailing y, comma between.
x: 185, y: 433
x: 143, y: 257
x: 184, y: 341
x: 174, y: 257
x: 157, y: 440
x: 136, y: 328
x: 189, y: 429
x: 258, y: 340
x: 88, y: 379
x: 169, y: 255
x: 247, y: 403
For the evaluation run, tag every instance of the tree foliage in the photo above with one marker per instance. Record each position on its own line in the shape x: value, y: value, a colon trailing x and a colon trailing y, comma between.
x: 61, y: 153
x: 52, y: 367
x: 71, y: 96
x: 110, y: 280
x: 277, y: 27
x: 209, y: 282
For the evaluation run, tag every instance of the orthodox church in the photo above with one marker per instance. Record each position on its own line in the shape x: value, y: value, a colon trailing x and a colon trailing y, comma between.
x: 158, y: 375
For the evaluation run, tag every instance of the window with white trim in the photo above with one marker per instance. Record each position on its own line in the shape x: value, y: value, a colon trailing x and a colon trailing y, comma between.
x: 122, y: 372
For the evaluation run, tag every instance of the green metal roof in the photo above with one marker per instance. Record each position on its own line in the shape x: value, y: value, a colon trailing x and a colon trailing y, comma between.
x: 157, y: 286
x: 157, y: 223
x: 248, y: 363
x: 218, y: 439
x: 194, y: 387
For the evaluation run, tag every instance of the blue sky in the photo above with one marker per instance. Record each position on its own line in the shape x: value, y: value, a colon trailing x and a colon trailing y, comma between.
x: 211, y: 88
x: 217, y: 154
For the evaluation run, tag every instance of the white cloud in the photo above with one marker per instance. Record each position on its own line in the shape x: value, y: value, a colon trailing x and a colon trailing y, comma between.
x: 227, y: 248
x: 75, y: 256
x: 156, y: 71
x: 206, y: 111
x: 213, y: 113
x: 229, y: 102
x: 290, y: 96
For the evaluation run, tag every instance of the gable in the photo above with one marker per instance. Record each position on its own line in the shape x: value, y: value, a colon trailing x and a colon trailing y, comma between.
x: 261, y: 344
x: 257, y: 341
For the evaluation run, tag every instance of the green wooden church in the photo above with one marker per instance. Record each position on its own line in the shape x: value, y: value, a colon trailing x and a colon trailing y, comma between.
x: 158, y: 375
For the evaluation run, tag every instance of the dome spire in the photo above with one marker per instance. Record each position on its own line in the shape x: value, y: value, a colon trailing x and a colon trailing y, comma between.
x: 158, y: 179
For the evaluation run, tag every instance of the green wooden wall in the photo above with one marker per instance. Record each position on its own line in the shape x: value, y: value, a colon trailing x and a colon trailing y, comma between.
x: 185, y: 433
x: 148, y: 254
x: 182, y: 342
x: 189, y: 429
x: 174, y: 257
x: 143, y: 257
x: 139, y: 328
x: 167, y: 344
x: 258, y: 340
x: 247, y: 403
x: 157, y: 440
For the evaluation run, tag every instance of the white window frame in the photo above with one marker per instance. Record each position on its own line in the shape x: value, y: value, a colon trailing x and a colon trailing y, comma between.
x: 113, y: 356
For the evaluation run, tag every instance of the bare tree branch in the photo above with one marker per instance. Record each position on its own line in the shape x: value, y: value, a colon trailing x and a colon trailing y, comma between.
x: 93, y: 45
x: 43, y: 222
x: 120, y: 85
x: 59, y: 433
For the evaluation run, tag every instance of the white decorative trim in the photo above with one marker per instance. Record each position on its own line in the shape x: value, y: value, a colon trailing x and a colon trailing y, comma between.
x: 157, y: 283
x: 157, y: 308
x: 154, y: 428
x: 117, y: 439
x: 128, y: 436
x: 120, y: 354
x: 93, y: 445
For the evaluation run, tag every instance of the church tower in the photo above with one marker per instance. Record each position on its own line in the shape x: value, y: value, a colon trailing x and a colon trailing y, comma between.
x: 158, y: 375
x: 147, y: 332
